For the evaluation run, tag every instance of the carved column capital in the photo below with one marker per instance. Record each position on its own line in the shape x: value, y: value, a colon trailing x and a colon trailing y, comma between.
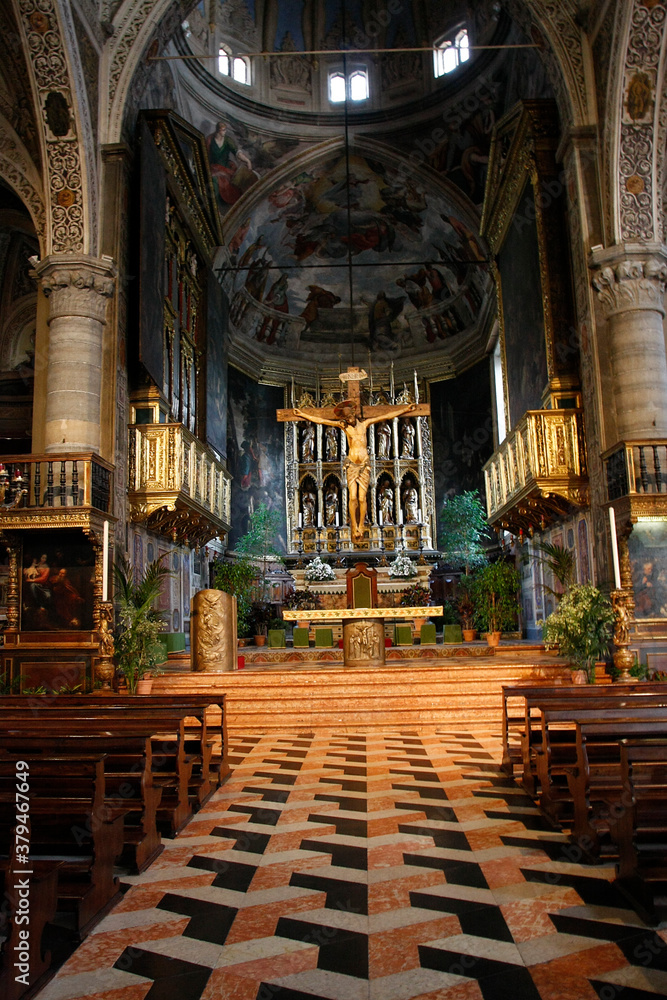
x: 77, y: 284
x: 633, y: 282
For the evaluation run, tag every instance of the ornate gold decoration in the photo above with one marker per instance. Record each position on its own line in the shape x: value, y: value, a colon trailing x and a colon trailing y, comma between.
x: 104, y: 668
x: 363, y: 643
x: 213, y: 624
x: 623, y: 605
x: 176, y: 485
x: 332, y: 614
x: 539, y: 472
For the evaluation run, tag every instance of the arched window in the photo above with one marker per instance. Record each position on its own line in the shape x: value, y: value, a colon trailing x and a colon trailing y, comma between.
x: 355, y: 88
x: 235, y: 66
x: 449, y: 53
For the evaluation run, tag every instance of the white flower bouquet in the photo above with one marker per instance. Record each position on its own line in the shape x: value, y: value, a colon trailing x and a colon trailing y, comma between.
x: 318, y: 570
x: 402, y: 566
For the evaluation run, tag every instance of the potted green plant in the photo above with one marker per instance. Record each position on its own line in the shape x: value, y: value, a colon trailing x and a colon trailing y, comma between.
x: 496, y: 603
x: 581, y: 627
x: 261, y: 544
x: 464, y: 531
x: 137, y: 645
x: 465, y: 605
x: 237, y: 577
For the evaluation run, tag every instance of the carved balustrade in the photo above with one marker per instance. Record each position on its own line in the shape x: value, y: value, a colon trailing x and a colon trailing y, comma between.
x: 177, y: 487
x: 539, y: 472
x: 636, y: 477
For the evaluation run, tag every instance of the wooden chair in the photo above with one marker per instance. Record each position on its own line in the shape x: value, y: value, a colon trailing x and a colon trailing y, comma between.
x: 362, y: 586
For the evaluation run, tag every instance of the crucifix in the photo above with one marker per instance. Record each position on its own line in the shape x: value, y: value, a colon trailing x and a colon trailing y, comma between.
x: 354, y: 419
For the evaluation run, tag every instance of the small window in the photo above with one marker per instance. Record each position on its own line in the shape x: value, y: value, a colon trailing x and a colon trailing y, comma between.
x: 355, y: 88
x: 359, y: 85
x: 450, y: 53
x: 235, y: 66
x: 241, y: 74
x: 336, y: 88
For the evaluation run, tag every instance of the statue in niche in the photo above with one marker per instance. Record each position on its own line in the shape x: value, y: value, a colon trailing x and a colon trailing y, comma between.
x: 407, y: 439
x: 308, y: 500
x: 331, y: 505
x: 410, y: 499
x: 386, y: 500
x: 331, y: 440
x: 383, y: 436
x: 308, y: 443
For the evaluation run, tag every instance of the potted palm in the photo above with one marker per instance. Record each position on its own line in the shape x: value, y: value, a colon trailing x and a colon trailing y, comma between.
x: 496, y: 603
x: 581, y: 627
x: 237, y: 577
x: 137, y: 644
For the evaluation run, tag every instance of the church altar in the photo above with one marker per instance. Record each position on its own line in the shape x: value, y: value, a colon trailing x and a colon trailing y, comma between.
x: 363, y: 629
x: 334, y: 592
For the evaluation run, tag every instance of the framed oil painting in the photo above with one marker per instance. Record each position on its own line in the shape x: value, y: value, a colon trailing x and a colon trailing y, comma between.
x: 648, y: 557
x: 57, y: 582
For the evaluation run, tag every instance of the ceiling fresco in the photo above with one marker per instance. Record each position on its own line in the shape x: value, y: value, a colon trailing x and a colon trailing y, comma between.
x: 418, y: 273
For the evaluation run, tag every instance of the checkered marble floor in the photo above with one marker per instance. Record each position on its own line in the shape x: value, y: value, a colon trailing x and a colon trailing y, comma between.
x: 403, y: 866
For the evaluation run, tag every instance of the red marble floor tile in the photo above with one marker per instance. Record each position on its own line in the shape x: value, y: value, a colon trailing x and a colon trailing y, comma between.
x: 395, y: 893
x: 566, y: 978
x: 142, y: 897
x: 269, y: 876
x: 396, y: 950
x: 529, y: 918
x: 503, y: 871
x: 260, y: 921
x: 101, y: 950
x: 137, y: 991
x: 291, y: 840
x: 466, y: 990
x: 391, y: 855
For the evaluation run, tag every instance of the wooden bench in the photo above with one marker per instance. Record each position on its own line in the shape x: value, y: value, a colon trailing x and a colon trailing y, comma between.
x: 520, y: 725
x: 43, y: 889
x: 585, y: 757
x: 639, y: 826
x: 70, y: 821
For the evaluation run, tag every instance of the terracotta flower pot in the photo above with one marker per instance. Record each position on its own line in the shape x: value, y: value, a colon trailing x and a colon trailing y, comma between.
x: 260, y: 640
x: 145, y: 685
x: 493, y: 638
x: 469, y: 634
x: 579, y: 677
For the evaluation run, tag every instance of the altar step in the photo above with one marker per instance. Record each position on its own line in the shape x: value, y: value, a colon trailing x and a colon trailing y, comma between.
x: 399, y: 695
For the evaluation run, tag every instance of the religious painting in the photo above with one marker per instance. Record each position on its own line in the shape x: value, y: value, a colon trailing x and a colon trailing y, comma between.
x: 255, y: 452
x: 393, y: 220
x: 524, y: 335
x: 57, y: 582
x: 153, y: 207
x: 648, y: 558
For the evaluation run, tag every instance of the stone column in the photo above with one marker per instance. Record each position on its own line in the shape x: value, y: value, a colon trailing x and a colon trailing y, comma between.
x: 78, y: 288
x: 630, y: 283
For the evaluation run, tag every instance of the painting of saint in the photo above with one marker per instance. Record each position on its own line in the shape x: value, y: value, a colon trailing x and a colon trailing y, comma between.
x: 57, y: 582
x: 230, y: 166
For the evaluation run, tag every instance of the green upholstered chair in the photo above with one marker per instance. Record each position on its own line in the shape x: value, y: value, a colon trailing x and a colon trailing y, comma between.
x: 427, y: 634
x: 451, y: 633
x: 324, y: 637
x: 402, y: 635
x: 299, y: 637
x: 276, y: 637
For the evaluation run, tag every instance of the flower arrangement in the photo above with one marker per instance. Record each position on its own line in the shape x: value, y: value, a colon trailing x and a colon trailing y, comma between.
x: 318, y: 570
x: 402, y: 566
x: 416, y: 596
x: 302, y: 600
x: 581, y: 627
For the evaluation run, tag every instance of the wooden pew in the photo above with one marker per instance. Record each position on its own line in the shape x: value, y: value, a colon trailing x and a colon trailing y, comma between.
x: 526, y: 727
x: 69, y: 820
x: 586, y: 750
x: 639, y: 826
x: 43, y: 889
x: 129, y: 783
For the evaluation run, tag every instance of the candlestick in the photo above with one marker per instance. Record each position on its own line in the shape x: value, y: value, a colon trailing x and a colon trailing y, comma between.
x: 292, y: 390
x: 614, y: 548
x: 300, y: 519
x: 370, y: 370
x: 337, y: 521
x: 400, y: 517
x: 105, y: 563
x: 391, y: 382
x: 380, y: 520
x: 319, y: 520
x: 416, y: 388
x: 419, y: 515
x: 317, y: 390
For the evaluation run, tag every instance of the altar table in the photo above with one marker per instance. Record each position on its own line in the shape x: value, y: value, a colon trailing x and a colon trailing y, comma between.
x: 363, y: 629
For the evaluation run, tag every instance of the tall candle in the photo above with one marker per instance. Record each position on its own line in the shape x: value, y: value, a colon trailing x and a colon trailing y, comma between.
x: 370, y: 369
x: 337, y: 519
x: 319, y: 520
x: 391, y: 382
x: 380, y: 521
x: 416, y: 389
x: 300, y: 519
x: 614, y: 548
x: 400, y: 517
x: 292, y: 390
x: 419, y: 515
x: 105, y: 563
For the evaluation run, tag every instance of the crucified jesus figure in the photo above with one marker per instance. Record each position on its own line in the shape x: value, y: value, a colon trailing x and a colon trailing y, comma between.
x: 357, y: 464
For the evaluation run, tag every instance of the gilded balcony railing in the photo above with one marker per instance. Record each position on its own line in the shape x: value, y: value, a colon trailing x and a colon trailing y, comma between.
x: 539, y: 472
x: 36, y: 483
x: 636, y: 467
x: 176, y: 484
